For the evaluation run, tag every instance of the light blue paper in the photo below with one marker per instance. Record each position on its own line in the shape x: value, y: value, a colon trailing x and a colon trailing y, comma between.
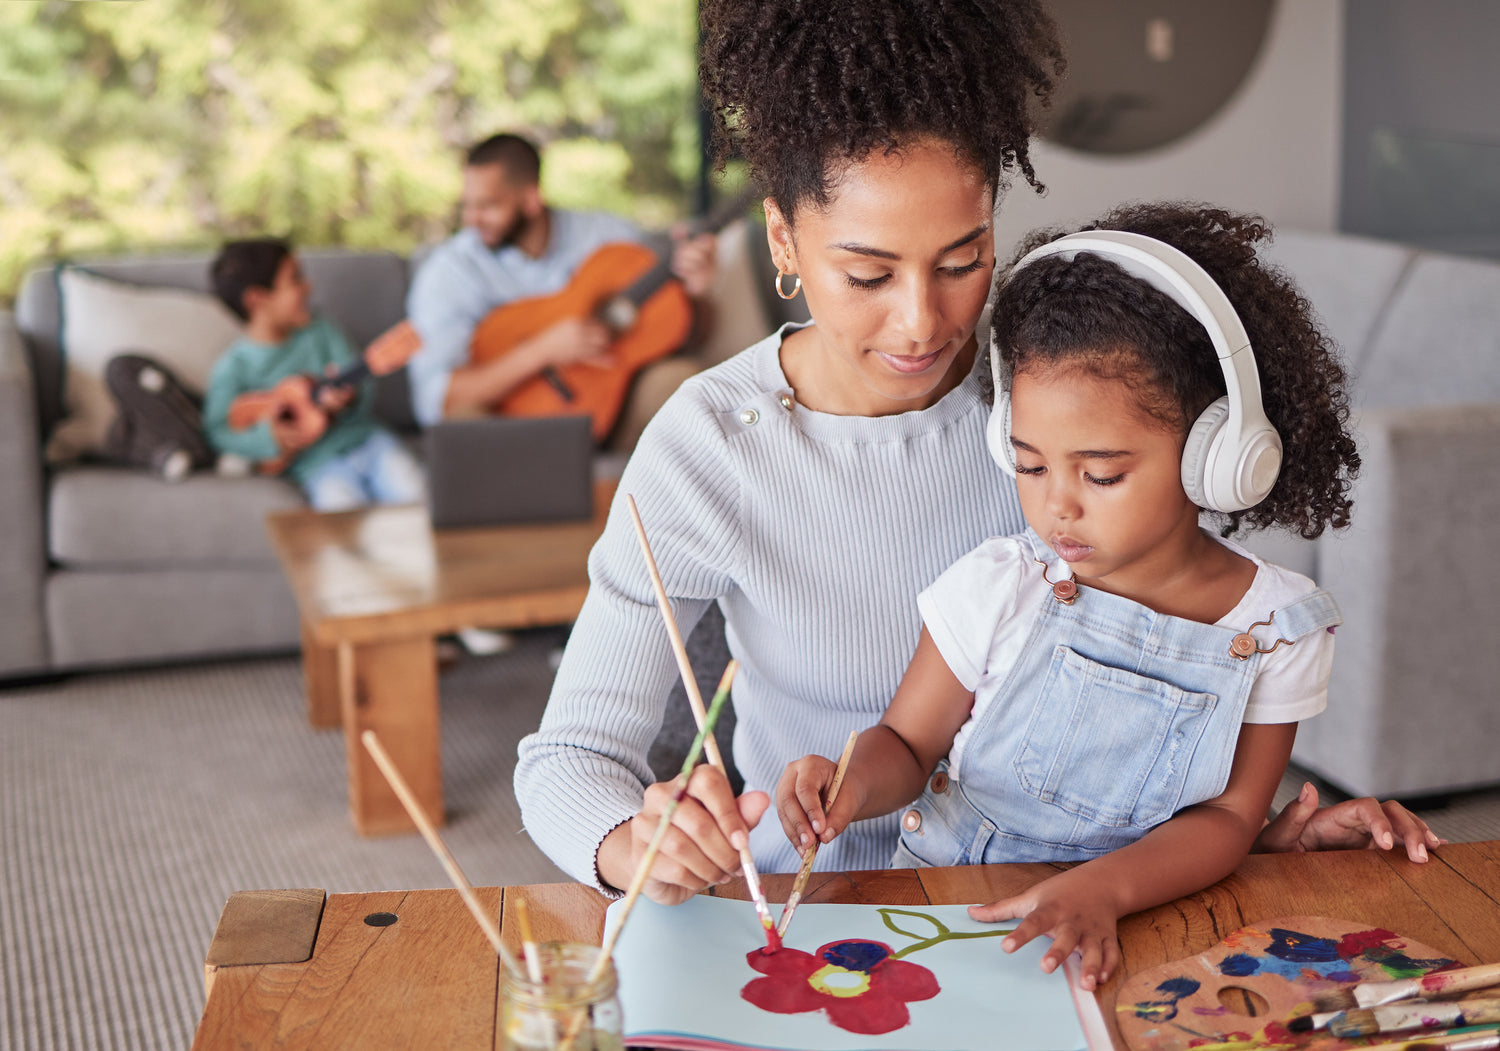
x: 681, y: 969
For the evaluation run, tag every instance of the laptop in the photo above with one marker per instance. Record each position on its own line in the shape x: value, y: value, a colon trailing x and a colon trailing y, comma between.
x: 504, y: 470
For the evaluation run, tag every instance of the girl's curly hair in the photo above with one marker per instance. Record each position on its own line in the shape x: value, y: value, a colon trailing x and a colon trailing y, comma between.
x: 1090, y: 313
x: 805, y: 87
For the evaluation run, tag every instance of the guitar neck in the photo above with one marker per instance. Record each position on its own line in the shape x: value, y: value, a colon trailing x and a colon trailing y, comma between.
x: 355, y: 373
x: 645, y: 286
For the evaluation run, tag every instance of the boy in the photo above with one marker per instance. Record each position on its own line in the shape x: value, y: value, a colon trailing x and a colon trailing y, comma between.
x: 328, y: 443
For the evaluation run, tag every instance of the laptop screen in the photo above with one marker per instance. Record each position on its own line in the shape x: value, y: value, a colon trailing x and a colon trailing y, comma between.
x: 503, y: 470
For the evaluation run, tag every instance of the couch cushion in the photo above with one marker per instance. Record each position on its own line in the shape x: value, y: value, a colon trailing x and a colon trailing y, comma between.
x: 186, y: 331
x: 1347, y: 279
x: 1439, y: 341
x: 104, y: 516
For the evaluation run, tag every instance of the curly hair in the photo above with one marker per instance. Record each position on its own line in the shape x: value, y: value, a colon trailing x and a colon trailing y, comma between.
x: 1090, y: 314
x: 806, y: 87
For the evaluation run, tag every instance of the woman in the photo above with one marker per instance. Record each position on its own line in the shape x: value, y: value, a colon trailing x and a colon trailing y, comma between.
x: 815, y: 483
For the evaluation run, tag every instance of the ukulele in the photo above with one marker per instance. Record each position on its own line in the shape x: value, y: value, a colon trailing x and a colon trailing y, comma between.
x: 631, y: 289
x: 295, y: 399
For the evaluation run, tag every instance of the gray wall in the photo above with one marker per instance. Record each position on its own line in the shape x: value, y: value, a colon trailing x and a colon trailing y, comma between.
x: 1422, y: 123
x: 1272, y: 149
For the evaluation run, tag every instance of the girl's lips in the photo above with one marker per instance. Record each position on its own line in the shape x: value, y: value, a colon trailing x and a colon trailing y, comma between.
x: 1070, y: 550
x: 910, y: 365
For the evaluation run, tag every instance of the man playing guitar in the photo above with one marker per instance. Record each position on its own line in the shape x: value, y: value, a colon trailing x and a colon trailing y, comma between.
x: 515, y: 247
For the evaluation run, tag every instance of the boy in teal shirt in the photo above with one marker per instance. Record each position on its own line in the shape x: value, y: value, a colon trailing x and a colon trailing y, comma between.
x: 328, y: 443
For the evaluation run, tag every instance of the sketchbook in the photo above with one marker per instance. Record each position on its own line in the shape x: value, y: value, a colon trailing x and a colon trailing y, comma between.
x: 850, y: 978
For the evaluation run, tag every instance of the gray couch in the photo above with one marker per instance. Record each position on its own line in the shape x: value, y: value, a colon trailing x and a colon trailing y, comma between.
x: 1413, y: 702
x: 105, y: 566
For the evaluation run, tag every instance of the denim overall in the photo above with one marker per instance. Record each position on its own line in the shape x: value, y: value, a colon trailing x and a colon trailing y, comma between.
x: 1115, y: 718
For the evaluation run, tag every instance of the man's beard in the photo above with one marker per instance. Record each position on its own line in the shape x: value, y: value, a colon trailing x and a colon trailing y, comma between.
x: 518, y: 228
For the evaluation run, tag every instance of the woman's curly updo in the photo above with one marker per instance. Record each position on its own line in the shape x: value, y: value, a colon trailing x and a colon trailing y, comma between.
x: 1090, y: 314
x: 805, y: 87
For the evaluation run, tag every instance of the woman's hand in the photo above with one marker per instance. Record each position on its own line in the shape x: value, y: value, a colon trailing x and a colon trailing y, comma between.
x: 1354, y: 824
x: 799, y: 802
x: 700, y: 850
x: 1075, y: 912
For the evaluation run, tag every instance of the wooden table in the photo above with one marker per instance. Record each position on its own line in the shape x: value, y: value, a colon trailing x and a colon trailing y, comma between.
x: 376, y: 587
x: 431, y: 980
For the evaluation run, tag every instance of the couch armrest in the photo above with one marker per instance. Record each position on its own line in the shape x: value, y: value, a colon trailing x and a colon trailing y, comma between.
x: 1412, y: 706
x: 23, y: 559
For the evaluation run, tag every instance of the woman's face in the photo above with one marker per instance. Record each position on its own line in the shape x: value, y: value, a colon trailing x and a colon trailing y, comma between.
x: 896, y: 271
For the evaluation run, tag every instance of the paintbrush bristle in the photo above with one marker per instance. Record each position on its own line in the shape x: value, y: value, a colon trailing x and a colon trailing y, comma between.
x: 1338, y: 1000
x: 1305, y: 1024
x: 1354, y: 1023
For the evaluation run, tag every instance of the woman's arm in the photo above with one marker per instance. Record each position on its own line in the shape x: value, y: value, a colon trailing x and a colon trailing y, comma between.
x: 1195, y: 848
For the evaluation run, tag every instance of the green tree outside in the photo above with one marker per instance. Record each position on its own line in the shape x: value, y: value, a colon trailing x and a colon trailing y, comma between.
x: 127, y: 125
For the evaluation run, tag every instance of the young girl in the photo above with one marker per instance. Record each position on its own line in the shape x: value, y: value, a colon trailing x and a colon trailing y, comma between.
x: 1117, y: 685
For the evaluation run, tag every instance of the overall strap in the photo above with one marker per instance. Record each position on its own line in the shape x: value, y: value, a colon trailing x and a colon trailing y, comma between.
x: 1314, y: 611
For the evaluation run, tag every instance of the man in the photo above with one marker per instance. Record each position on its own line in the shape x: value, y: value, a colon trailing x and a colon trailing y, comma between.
x: 513, y: 246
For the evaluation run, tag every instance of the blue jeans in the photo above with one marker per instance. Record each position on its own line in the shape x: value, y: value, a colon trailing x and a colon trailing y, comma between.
x: 378, y: 471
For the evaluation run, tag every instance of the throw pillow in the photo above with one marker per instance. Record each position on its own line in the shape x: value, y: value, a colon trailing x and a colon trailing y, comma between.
x: 184, y: 330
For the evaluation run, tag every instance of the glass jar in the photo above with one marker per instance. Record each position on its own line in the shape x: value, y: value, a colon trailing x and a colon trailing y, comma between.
x: 564, y: 1009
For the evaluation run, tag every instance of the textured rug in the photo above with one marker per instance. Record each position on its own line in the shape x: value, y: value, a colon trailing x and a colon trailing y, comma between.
x: 132, y: 805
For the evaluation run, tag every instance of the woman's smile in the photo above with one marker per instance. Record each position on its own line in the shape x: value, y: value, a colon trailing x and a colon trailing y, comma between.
x: 908, y: 364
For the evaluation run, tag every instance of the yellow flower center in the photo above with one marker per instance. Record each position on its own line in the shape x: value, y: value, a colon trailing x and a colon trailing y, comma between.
x: 839, y: 981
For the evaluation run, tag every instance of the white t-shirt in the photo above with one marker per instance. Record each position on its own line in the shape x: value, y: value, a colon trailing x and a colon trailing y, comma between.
x: 979, y: 613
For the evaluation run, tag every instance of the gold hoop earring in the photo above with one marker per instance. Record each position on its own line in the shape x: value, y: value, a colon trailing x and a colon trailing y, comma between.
x: 797, y: 287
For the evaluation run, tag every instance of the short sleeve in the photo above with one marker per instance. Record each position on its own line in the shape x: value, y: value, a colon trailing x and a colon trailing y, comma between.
x: 1293, y: 681
x: 963, y: 607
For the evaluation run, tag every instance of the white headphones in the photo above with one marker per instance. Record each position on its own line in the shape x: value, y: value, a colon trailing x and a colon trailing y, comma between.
x: 1233, y: 454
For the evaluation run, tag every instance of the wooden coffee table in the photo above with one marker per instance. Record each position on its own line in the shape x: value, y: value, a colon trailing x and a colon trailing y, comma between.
x: 376, y: 587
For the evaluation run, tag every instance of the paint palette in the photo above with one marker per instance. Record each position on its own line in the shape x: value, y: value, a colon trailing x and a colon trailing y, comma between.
x: 1248, y: 986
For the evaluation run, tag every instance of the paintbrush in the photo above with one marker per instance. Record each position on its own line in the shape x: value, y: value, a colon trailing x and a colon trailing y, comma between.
x: 664, y: 823
x: 528, y: 943
x: 1438, y: 983
x: 1391, y: 1018
x: 643, y: 868
x: 1447, y: 1040
x: 695, y: 701
x: 429, y: 833
x: 805, y: 872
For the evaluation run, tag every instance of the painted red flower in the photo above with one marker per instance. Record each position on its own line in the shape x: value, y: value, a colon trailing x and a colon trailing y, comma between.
x: 858, y: 983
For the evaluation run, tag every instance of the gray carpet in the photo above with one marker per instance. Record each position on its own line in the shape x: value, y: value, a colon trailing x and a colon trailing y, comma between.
x: 133, y: 804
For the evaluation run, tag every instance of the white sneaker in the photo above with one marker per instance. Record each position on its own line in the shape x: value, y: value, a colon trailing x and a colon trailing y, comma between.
x: 482, y: 642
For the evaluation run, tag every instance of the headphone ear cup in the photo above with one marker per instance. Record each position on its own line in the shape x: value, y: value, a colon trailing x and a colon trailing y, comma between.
x: 1197, y: 452
x: 997, y: 433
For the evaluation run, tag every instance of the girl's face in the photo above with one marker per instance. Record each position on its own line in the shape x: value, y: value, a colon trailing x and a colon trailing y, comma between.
x: 1100, y: 481
x: 896, y: 270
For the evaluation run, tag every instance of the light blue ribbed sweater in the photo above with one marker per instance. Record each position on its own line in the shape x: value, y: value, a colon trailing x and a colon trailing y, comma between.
x: 814, y: 533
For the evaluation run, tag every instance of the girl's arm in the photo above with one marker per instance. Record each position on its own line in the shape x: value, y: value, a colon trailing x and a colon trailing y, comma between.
x: 891, y: 759
x: 1195, y: 848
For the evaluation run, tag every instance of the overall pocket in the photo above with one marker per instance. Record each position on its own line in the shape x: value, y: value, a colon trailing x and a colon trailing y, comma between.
x: 1109, y: 745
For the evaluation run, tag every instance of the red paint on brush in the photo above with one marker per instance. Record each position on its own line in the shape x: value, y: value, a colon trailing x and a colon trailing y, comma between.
x: 773, y: 941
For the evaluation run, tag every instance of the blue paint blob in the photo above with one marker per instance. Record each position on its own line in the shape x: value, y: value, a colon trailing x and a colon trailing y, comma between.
x: 855, y: 955
x: 1239, y: 965
x: 1301, y: 948
x: 1177, y: 988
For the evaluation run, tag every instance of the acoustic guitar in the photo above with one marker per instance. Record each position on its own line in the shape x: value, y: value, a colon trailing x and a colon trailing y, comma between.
x: 632, y: 290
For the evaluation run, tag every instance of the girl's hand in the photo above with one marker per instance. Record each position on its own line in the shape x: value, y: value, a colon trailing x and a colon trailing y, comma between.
x: 1075, y: 914
x: 799, y: 802
x: 701, y: 849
